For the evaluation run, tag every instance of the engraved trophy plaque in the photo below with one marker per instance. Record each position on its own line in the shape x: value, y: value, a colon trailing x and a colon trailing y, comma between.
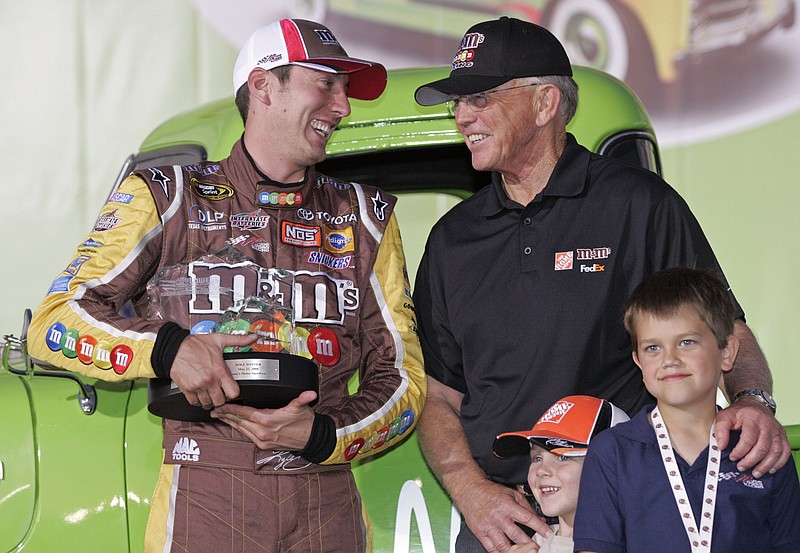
x: 270, y: 372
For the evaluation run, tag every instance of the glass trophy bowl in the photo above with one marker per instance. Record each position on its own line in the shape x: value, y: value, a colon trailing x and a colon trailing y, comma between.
x: 270, y: 372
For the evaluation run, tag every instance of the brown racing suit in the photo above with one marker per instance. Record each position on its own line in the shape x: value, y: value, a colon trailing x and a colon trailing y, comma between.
x: 342, y: 242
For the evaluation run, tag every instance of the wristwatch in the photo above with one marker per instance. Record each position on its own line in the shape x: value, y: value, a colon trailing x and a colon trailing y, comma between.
x: 761, y: 395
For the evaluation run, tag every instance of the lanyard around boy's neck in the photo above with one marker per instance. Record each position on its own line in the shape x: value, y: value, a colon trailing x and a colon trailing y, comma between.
x: 700, y: 540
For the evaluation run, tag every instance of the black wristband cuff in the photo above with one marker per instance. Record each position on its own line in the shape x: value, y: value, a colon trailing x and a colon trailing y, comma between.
x: 169, y: 339
x: 322, y: 441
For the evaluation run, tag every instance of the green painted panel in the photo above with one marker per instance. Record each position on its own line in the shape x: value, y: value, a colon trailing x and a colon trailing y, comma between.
x: 17, y: 462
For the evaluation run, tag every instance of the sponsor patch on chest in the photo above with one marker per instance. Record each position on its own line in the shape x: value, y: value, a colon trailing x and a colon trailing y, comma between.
x: 566, y: 260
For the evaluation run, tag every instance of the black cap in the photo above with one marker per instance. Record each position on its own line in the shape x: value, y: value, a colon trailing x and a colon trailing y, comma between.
x: 494, y: 52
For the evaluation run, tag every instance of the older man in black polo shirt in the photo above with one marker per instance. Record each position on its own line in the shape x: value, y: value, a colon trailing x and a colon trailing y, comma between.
x: 520, y: 291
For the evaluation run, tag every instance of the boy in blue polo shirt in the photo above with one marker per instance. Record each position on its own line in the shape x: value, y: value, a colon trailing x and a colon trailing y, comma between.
x: 659, y: 483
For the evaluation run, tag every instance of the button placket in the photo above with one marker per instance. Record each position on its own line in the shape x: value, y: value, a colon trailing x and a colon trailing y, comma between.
x: 527, y: 242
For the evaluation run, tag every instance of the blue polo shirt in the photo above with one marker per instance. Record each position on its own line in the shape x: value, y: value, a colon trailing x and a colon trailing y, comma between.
x: 625, y: 502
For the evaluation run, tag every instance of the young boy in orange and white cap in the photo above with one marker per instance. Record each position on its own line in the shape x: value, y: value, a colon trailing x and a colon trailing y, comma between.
x: 556, y: 445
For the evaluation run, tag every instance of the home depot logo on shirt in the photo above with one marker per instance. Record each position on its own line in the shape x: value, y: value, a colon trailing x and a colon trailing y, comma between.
x: 565, y: 260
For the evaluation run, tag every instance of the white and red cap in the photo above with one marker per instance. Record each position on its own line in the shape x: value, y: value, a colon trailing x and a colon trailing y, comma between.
x: 312, y: 45
x: 566, y: 428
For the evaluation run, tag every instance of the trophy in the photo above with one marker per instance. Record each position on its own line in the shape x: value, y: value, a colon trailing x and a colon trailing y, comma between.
x: 270, y: 372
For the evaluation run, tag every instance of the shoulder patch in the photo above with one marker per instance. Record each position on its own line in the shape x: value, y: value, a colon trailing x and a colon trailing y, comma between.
x: 210, y: 190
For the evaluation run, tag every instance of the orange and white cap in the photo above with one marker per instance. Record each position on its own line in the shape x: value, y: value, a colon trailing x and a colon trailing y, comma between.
x: 312, y: 45
x: 566, y: 428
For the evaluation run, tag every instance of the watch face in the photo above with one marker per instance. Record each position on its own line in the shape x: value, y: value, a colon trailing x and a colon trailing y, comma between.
x: 761, y: 395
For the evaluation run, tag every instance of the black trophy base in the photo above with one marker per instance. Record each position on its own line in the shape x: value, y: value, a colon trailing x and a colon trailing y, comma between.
x: 266, y: 381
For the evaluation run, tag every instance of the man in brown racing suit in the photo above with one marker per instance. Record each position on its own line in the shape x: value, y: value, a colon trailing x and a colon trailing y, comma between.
x: 254, y: 479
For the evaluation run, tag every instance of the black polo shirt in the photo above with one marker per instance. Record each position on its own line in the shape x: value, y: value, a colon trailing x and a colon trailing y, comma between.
x: 519, y: 306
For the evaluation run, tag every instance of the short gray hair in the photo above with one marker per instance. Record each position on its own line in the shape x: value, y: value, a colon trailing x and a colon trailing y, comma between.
x: 569, y: 93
